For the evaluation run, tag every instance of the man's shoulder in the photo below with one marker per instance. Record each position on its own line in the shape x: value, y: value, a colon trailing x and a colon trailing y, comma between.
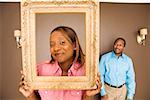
x: 126, y: 56
x: 108, y: 54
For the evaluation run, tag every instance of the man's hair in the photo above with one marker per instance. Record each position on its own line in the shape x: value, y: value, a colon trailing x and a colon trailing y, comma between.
x: 71, y: 34
x: 120, y: 38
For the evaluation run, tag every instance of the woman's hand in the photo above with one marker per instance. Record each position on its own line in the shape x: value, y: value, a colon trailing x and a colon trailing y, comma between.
x: 94, y: 91
x: 105, y: 97
x: 24, y: 88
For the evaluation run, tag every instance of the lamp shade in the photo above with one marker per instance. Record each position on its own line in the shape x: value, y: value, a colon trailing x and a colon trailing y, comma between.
x: 143, y: 31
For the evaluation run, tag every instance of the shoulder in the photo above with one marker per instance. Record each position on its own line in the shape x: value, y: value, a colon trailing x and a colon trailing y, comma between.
x: 45, y: 63
x: 106, y: 55
x: 127, y: 58
x: 78, y: 69
x: 47, y: 68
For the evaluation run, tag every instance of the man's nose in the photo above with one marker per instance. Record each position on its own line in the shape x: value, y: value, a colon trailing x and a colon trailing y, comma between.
x: 117, y: 46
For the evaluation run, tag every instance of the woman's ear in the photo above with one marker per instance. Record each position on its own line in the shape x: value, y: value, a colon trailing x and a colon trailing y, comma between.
x: 74, y: 46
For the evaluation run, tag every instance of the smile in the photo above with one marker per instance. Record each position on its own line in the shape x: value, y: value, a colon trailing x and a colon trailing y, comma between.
x: 58, y: 54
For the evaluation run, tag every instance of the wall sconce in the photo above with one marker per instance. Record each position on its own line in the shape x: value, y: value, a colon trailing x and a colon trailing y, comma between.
x: 141, y: 37
x: 17, y: 35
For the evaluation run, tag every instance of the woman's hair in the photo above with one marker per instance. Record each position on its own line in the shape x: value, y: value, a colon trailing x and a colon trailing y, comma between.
x: 120, y: 38
x: 71, y: 34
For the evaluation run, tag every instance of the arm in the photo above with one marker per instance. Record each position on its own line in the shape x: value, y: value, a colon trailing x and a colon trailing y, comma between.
x: 102, y: 74
x: 32, y: 97
x: 130, y: 81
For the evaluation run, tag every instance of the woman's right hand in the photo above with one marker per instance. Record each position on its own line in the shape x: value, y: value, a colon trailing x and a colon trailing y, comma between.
x: 24, y: 88
x: 105, y: 97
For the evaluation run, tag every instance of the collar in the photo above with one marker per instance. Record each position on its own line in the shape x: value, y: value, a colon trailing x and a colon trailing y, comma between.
x: 114, y: 55
x: 75, y: 66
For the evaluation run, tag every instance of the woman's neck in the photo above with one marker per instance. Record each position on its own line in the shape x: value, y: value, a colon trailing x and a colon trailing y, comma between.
x: 65, y: 66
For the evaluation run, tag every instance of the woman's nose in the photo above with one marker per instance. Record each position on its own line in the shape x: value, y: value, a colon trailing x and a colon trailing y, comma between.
x: 56, y: 48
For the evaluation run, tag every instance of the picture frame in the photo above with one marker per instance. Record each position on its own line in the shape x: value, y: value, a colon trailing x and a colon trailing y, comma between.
x: 29, y: 10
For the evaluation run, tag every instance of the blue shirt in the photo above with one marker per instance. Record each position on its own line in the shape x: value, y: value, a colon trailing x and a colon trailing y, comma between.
x: 117, y: 71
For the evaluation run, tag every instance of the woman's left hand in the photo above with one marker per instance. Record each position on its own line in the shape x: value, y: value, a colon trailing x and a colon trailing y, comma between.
x: 94, y: 91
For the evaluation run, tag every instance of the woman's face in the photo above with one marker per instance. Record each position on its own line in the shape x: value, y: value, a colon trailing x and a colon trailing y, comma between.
x: 61, y: 47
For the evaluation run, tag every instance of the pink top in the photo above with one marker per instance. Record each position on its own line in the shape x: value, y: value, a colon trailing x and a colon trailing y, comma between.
x: 48, y: 69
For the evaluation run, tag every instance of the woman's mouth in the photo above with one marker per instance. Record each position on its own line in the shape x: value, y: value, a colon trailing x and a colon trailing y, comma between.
x: 58, y: 54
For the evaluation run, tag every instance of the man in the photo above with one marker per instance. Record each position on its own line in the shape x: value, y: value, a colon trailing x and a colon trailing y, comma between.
x: 117, y: 74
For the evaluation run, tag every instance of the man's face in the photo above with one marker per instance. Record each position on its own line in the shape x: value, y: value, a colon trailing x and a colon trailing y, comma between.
x: 119, y: 47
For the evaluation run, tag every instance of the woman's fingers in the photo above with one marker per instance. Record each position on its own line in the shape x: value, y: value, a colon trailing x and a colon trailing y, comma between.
x: 24, y: 88
x: 26, y: 91
x: 94, y: 91
x: 98, y: 81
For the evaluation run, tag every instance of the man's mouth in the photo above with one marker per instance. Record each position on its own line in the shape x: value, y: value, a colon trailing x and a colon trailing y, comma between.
x: 117, y: 49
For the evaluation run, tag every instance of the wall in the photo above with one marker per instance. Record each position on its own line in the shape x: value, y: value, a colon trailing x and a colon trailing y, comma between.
x: 124, y: 20
x: 11, y: 61
x: 116, y: 20
x: 0, y: 49
x: 149, y: 45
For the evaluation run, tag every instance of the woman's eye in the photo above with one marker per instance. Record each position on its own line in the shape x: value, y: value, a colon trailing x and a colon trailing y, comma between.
x: 62, y: 42
x: 51, y: 44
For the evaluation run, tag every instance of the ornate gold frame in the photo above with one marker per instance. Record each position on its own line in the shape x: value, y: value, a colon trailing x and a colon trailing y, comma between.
x: 28, y: 10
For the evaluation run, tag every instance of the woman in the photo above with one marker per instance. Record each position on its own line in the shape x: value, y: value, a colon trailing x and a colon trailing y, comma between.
x: 67, y: 59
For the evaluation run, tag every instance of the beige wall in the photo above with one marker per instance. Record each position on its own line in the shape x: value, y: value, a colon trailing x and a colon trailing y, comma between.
x: 11, y: 61
x: 124, y: 20
x: 0, y: 49
x: 116, y: 20
x: 149, y: 46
